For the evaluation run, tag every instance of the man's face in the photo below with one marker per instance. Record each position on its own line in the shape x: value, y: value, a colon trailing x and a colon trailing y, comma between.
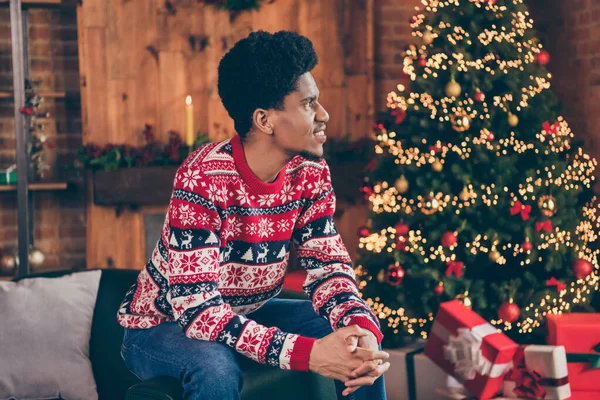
x: 299, y: 127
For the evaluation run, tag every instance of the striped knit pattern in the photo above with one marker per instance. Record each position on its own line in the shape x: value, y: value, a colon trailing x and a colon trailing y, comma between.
x: 224, y: 250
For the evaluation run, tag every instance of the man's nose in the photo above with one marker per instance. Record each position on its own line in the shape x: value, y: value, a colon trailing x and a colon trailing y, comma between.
x: 322, y: 115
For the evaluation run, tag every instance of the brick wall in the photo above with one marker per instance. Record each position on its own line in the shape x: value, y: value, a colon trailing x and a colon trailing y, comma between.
x: 392, y: 33
x: 59, y: 217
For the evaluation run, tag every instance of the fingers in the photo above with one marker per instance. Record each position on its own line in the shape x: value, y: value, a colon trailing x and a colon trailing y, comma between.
x: 349, y: 390
x: 369, y: 355
x: 354, y: 330
x: 352, y: 343
x: 364, y: 368
x: 369, y: 379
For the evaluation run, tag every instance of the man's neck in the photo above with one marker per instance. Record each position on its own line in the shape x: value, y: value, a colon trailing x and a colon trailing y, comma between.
x: 264, y: 160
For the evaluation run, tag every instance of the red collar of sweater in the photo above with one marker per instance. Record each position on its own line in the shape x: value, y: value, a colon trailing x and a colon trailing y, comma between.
x: 256, y: 185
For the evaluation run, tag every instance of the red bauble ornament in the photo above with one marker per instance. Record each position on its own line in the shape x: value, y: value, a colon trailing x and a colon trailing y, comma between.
x: 438, y: 290
x: 422, y: 62
x: 509, y: 312
x: 490, y: 136
x: 582, y: 268
x: 479, y: 96
x: 543, y: 57
x: 449, y: 239
x: 363, y: 231
x: 402, y: 229
x: 527, y: 246
x: 394, y: 275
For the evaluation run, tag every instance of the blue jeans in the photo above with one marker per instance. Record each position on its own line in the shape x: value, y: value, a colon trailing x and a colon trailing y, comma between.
x: 209, y: 370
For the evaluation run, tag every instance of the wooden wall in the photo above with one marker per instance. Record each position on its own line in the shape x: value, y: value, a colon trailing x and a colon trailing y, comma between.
x: 140, y: 58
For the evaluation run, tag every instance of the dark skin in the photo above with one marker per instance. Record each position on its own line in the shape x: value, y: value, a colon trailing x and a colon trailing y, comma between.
x: 282, y: 135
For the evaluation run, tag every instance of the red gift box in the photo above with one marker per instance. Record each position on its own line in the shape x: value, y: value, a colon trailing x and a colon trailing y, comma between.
x: 580, y: 334
x: 466, y: 346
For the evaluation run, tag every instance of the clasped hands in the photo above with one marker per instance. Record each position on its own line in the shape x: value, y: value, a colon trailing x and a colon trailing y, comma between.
x: 350, y: 355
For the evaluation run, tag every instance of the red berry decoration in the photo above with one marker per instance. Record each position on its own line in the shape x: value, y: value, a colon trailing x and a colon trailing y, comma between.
x: 402, y: 229
x: 509, y: 312
x: 527, y: 246
x: 543, y: 57
x: 422, y: 62
x: 479, y: 96
x: 363, y: 231
x: 394, y: 275
x: 582, y: 268
x: 26, y: 110
x: 449, y: 239
x: 438, y: 290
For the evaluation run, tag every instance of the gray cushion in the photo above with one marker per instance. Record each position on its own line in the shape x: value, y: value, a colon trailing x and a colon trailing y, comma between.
x: 45, y: 326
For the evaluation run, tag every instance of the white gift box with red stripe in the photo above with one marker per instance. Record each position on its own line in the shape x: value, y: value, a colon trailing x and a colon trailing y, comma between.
x: 539, y: 372
x: 467, y: 347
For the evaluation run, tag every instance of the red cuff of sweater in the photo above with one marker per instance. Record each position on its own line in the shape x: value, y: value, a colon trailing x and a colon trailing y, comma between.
x: 301, y: 353
x: 366, y: 323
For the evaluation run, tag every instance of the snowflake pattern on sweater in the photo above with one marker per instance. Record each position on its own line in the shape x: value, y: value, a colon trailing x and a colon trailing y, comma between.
x: 224, y: 249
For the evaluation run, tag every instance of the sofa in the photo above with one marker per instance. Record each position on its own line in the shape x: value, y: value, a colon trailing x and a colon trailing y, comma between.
x: 114, y: 381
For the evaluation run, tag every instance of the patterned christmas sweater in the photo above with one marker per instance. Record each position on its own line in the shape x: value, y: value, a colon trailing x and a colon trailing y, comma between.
x: 224, y: 249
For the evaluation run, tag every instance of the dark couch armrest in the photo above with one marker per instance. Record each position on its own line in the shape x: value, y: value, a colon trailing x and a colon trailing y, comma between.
x: 160, y: 388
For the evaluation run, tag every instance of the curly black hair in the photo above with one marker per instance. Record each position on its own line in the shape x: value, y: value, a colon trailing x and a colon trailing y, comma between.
x: 260, y: 70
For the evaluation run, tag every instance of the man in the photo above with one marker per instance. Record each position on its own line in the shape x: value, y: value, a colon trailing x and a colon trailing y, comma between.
x: 208, y: 290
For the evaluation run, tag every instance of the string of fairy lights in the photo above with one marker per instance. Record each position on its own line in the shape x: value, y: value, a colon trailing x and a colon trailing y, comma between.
x: 577, y: 174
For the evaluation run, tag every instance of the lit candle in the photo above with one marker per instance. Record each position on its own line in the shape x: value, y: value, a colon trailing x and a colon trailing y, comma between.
x: 189, y: 111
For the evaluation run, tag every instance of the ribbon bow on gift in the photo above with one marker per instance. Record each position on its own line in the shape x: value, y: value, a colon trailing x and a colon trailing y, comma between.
x: 464, y: 351
x: 528, y: 384
x: 519, y: 207
x: 593, y: 359
x: 546, y: 225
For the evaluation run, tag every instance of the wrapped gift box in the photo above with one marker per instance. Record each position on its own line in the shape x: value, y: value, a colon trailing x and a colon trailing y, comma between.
x: 412, y: 376
x: 538, y: 372
x: 466, y: 346
x: 579, y: 333
x: 8, y: 176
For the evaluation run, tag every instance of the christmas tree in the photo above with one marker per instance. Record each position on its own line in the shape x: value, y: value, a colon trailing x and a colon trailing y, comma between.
x: 477, y: 190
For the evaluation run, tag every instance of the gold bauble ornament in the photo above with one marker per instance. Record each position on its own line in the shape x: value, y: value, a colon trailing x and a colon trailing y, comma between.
x: 466, y: 300
x: 461, y: 121
x: 453, y: 89
x: 430, y: 205
x: 547, y: 205
x: 428, y: 37
x: 401, y: 184
x: 494, y: 255
x: 8, y: 263
x: 464, y: 195
x: 437, y: 166
x: 381, y: 276
x: 513, y: 120
x: 36, y: 257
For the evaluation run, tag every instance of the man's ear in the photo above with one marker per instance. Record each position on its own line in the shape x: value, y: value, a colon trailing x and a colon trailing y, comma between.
x: 262, y: 121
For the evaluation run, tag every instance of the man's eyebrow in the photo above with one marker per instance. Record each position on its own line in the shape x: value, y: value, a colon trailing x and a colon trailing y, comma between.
x: 313, y: 97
